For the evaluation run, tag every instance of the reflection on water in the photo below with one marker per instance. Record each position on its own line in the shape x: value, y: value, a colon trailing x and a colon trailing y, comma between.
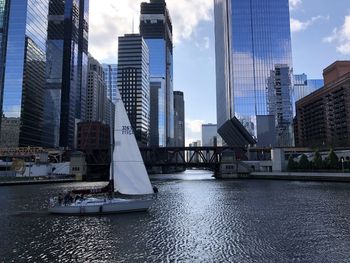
x: 195, y: 219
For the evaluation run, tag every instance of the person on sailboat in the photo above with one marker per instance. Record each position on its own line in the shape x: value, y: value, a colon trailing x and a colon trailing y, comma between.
x: 60, y: 198
x: 66, y: 198
x: 155, y: 189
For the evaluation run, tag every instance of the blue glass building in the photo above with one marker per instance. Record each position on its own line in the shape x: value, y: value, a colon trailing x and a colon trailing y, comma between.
x: 111, y: 74
x: 279, y: 105
x: 251, y: 38
x: 315, y: 84
x: 156, y: 29
x: 23, y: 39
x: 302, y: 86
x: 67, y: 69
x: 157, y: 112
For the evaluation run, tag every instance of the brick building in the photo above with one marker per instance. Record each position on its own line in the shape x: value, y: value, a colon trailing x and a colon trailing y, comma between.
x: 323, y: 117
x: 94, y: 141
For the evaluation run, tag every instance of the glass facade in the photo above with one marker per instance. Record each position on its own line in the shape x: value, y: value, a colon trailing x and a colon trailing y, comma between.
x: 53, y: 89
x: 156, y: 29
x: 111, y: 74
x: 252, y: 37
x: 157, y: 112
x: 209, y: 134
x: 3, y: 22
x: 23, y: 39
x: 83, y: 59
x: 279, y: 104
x: 157, y: 51
x: 223, y: 53
x: 67, y: 69
x: 302, y: 86
x: 179, y: 118
x: 315, y: 84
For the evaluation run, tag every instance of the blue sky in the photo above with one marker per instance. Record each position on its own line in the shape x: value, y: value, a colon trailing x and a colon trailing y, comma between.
x: 320, y: 35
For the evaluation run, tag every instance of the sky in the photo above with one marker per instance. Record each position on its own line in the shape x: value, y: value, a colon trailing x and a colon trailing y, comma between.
x: 320, y: 35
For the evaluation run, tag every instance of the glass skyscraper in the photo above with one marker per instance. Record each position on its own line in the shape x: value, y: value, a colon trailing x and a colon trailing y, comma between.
x: 315, y: 84
x: 111, y: 74
x: 156, y: 29
x: 279, y: 105
x: 251, y: 38
x: 67, y: 69
x: 304, y: 86
x: 157, y: 112
x: 179, y: 118
x: 23, y: 39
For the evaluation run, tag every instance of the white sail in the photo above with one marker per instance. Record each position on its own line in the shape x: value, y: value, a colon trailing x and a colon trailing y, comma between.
x: 129, y: 172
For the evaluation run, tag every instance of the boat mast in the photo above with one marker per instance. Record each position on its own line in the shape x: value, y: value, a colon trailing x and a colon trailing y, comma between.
x: 111, y: 126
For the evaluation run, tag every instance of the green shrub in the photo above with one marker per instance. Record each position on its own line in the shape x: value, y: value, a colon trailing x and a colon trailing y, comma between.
x: 304, y: 163
x: 332, y: 160
x: 292, y: 165
x: 317, y: 161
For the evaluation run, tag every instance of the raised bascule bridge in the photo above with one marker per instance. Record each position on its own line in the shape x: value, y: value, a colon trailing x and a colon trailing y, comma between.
x: 207, y: 157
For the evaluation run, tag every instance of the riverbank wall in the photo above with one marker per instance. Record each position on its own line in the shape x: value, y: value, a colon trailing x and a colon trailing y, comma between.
x: 291, y: 176
x: 31, y: 182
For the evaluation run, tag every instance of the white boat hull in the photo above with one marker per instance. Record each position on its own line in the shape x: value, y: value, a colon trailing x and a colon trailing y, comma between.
x: 101, y: 206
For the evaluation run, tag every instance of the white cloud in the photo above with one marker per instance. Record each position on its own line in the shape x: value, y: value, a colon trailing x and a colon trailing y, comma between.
x: 186, y: 15
x: 341, y: 37
x: 194, y: 126
x: 114, y: 18
x: 344, y: 48
x: 298, y: 25
x: 293, y: 4
x: 203, y: 44
x: 193, y: 130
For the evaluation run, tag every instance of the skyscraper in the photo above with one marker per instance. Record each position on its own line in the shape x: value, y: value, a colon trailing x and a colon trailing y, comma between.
x: 179, y: 118
x: 67, y: 69
x: 96, y: 93
x: 303, y: 86
x: 156, y: 28
x: 209, y: 134
x: 157, y: 112
x: 251, y: 37
x: 279, y: 105
x: 23, y: 56
x: 111, y: 74
x: 133, y: 83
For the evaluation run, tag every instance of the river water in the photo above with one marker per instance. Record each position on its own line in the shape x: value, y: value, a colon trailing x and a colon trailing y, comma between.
x: 195, y: 219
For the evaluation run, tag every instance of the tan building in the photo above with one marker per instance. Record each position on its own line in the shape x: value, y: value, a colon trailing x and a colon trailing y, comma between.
x: 78, y: 166
x: 323, y: 117
x: 10, y: 128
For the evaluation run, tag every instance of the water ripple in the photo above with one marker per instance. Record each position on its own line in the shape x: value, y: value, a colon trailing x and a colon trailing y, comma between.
x: 192, y: 220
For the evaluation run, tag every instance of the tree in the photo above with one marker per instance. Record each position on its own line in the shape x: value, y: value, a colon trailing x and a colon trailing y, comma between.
x: 318, y: 162
x: 292, y: 165
x: 332, y: 160
x: 304, y: 163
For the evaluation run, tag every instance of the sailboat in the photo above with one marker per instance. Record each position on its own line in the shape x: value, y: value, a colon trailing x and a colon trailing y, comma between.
x: 128, y: 177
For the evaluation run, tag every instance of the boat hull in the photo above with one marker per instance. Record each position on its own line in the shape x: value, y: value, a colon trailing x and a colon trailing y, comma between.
x: 96, y: 206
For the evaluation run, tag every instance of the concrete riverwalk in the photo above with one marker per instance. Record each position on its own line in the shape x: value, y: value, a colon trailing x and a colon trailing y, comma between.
x: 41, y: 181
x: 294, y: 176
